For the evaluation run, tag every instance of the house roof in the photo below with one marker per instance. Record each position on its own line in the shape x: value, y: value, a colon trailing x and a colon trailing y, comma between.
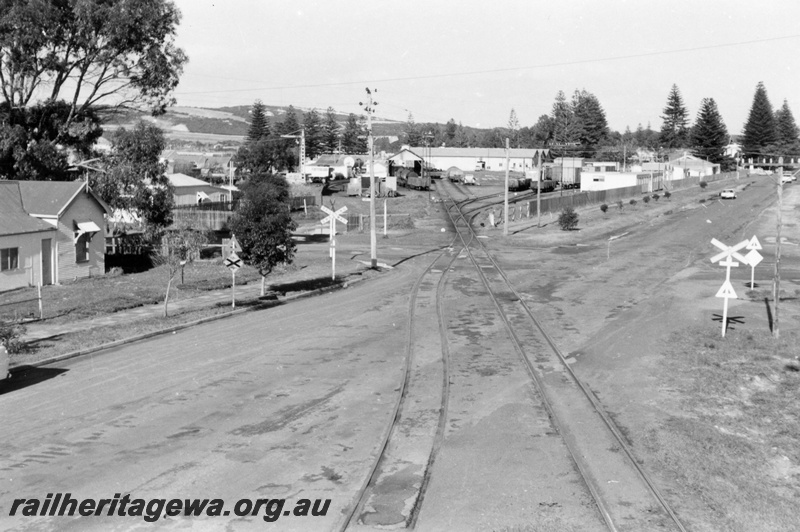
x: 52, y: 198
x: 13, y: 218
x: 517, y: 153
x: 183, y: 180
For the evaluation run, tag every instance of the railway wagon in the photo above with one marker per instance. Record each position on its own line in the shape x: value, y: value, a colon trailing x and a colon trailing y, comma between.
x: 455, y: 174
x: 519, y: 183
x: 547, y: 185
x: 410, y: 179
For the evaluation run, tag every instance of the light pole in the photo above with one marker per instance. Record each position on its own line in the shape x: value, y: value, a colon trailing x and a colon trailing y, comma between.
x: 373, y: 237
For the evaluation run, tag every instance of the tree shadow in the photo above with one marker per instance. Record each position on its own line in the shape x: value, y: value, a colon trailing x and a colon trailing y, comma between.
x: 24, y: 376
x: 305, y: 285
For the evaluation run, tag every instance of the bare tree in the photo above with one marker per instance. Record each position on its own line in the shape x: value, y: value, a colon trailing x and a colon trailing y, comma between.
x: 179, y: 246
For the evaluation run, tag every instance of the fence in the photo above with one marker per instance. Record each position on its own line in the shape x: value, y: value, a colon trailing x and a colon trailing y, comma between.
x: 22, y: 305
x: 582, y: 199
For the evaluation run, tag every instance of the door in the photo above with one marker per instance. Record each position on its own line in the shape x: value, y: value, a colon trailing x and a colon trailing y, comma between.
x: 47, y: 264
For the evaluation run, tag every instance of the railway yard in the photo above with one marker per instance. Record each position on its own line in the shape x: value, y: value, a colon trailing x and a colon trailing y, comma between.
x: 542, y: 381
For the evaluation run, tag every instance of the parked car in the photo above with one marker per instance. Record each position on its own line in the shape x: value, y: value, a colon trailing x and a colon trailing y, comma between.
x: 728, y: 193
x: 786, y: 179
x: 4, y: 363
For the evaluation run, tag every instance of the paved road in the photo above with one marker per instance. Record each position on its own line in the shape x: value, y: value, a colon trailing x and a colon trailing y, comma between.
x: 282, y: 403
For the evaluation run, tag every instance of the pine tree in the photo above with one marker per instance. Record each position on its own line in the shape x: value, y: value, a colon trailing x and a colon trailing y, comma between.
x: 314, y: 134
x: 591, y: 119
x: 352, y: 130
x: 787, y: 130
x: 259, y: 123
x: 709, y: 135
x: 330, y: 135
x: 565, y: 125
x: 450, y: 132
x: 760, y: 130
x: 513, y: 128
x: 674, y: 130
x: 289, y: 125
x: 412, y: 132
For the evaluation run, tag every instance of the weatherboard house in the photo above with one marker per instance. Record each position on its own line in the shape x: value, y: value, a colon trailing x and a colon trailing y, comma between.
x: 50, y: 231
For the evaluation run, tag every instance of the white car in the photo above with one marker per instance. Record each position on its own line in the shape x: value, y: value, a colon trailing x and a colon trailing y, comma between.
x: 786, y: 179
x: 728, y: 193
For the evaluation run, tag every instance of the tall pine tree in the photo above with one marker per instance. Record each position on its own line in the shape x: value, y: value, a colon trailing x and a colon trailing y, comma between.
x: 312, y: 124
x: 412, y: 132
x: 259, y: 123
x: 760, y: 132
x: 351, y: 143
x: 566, y: 129
x: 674, y: 130
x: 709, y: 135
x: 330, y: 132
x: 591, y: 118
x: 787, y: 131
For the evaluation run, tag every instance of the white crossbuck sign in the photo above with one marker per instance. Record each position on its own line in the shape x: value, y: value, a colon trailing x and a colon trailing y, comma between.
x: 333, y: 215
x: 332, y: 218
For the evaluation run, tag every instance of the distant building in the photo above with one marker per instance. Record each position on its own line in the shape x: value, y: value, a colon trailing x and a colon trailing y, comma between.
x: 476, y: 159
x: 192, y: 191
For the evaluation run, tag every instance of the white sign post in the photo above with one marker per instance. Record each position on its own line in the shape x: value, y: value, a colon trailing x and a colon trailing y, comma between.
x: 233, y: 263
x: 753, y: 258
x: 332, y: 217
x: 726, y: 259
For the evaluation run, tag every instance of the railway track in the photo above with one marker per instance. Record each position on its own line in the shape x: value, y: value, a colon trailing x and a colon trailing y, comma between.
x: 622, y: 489
x: 395, y: 487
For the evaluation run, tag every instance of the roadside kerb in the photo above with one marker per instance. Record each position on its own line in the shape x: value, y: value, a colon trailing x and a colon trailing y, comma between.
x: 258, y: 306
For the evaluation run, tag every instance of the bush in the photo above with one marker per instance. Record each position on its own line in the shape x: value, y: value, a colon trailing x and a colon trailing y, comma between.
x: 9, y: 336
x: 568, y: 219
x: 667, y: 194
x: 604, y: 208
x: 620, y: 204
x: 656, y: 196
x: 703, y: 184
x: 646, y: 199
x: 632, y: 202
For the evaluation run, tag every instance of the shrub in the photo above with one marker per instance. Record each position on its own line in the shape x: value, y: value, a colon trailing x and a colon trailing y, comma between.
x: 646, y: 199
x: 9, y: 336
x: 656, y: 196
x: 632, y: 202
x: 703, y: 184
x: 568, y: 219
x: 620, y: 204
x: 667, y: 194
x: 604, y: 208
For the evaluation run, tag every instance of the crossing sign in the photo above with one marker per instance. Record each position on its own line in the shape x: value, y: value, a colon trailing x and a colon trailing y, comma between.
x: 234, y: 244
x: 333, y: 215
x: 727, y: 291
x: 729, y: 251
x: 754, y: 257
x: 233, y: 262
x: 754, y: 244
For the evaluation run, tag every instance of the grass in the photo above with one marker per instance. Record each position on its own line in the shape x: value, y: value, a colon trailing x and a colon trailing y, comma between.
x: 731, y: 446
x: 95, y: 296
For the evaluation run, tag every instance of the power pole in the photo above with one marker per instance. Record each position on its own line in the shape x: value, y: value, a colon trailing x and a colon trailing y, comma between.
x: 505, y: 216
x: 373, y: 236
x: 777, y: 282
x: 539, y: 193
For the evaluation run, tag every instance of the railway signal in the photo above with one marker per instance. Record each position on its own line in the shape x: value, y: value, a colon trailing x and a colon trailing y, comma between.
x: 332, y: 218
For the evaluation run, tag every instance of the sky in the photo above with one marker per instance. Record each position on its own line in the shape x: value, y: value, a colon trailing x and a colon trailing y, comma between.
x: 474, y: 61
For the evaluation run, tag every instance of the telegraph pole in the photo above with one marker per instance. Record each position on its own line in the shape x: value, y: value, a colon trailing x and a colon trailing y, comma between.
x: 539, y: 193
x: 373, y: 236
x: 505, y: 216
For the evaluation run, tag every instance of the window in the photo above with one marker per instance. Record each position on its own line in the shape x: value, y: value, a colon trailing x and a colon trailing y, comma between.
x: 82, y: 248
x: 9, y: 259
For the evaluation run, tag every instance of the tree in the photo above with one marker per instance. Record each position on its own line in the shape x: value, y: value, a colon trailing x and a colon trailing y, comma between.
x: 674, y: 130
x: 263, y: 225
x: 330, y: 131
x: 542, y: 132
x: 591, y: 121
x: 89, y: 53
x: 565, y: 125
x: 450, y: 131
x: 179, y: 246
x: 760, y: 130
x: 260, y: 157
x: 786, y: 129
x: 709, y: 134
x: 412, y: 132
x: 259, y: 123
x: 351, y: 143
x: 312, y: 124
x: 568, y: 219
x: 131, y: 177
x: 513, y: 128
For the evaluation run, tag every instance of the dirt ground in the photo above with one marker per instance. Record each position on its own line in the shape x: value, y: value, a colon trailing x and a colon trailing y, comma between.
x: 637, y: 316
